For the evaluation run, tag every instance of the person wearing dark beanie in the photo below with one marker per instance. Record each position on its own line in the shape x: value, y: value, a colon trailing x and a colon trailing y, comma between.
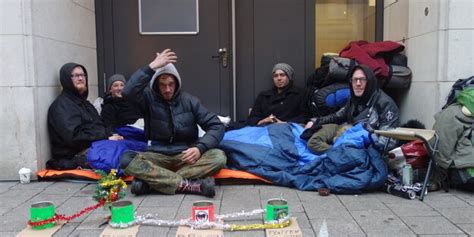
x: 283, y: 103
x: 116, y: 110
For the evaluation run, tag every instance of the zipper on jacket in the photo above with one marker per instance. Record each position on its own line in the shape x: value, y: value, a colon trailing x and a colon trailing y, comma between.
x: 173, y: 132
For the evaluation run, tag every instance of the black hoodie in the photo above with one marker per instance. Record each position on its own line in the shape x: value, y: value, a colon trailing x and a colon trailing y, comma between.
x: 374, y: 108
x: 73, y: 122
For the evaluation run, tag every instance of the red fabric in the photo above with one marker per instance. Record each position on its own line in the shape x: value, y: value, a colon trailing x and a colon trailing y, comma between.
x: 372, y: 54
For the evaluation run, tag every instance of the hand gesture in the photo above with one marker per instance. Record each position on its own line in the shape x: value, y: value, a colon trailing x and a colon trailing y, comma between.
x: 163, y: 58
x: 191, y: 155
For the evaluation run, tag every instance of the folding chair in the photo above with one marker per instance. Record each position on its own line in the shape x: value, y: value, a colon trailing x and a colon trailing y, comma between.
x: 410, y: 134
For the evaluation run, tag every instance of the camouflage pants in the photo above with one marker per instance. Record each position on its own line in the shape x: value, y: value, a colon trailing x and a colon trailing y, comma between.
x: 163, y: 173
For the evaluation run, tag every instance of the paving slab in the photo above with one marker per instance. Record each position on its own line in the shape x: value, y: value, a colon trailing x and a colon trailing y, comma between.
x: 431, y: 225
x: 459, y: 215
x: 360, y: 203
x: 381, y: 222
x: 336, y: 227
x: 412, y: 208
x: 467, y: 228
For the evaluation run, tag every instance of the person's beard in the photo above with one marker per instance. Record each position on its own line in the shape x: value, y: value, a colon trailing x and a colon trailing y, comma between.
x: 81, y: 88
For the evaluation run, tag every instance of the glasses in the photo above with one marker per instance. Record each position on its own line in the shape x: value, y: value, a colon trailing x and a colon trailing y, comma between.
x: 79, y: 75
x: 360, y: 79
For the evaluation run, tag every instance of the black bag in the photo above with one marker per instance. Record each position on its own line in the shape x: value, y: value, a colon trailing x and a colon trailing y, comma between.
x: 339, y: 67
x: 462, y: 179
x: 400, y: 77
x: 329, y: 99
x: 458, y: 86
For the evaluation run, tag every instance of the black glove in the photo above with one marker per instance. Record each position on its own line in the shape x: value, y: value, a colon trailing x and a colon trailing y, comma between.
x: 307, y: 133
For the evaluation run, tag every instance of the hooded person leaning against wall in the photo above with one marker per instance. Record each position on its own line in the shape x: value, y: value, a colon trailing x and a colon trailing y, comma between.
x: 455, y: 127
x: 367, y: 104
x: 73, y: 122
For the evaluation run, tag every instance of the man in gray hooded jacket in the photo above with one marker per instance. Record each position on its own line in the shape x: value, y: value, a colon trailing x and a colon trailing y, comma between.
x: 177, y: 160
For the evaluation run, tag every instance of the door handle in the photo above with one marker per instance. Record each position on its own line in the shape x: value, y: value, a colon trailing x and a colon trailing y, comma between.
x: 222, y: 55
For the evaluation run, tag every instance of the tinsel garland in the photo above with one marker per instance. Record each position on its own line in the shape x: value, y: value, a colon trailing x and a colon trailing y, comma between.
x: 150, y: 219
x: 109, y: 189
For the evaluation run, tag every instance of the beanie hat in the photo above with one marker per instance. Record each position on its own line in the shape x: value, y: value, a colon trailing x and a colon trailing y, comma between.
x: 114, y: 78
x: 285, y: 68
x: 466, y: 98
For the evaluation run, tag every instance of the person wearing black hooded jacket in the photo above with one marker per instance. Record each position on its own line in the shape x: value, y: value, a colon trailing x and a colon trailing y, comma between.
x: 73, y: 122
x: 367, y: 104
x: 283, y: 103
x: 177, y: 160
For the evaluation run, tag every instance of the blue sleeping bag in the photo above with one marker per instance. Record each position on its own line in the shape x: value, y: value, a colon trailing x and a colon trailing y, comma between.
x: 105, y: 154
x: 275, y: 152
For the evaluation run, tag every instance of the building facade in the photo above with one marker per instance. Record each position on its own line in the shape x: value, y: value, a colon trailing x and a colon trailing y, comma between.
x: 38, y: 36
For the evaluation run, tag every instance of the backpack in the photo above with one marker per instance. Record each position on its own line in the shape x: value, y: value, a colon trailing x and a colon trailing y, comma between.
x: 457, y: 87
x: 329, y: 99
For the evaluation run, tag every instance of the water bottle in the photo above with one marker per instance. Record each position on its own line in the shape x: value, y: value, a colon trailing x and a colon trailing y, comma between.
x: 407, y: 175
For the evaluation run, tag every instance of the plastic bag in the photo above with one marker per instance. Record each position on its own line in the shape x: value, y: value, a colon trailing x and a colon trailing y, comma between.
x: 413, y: 153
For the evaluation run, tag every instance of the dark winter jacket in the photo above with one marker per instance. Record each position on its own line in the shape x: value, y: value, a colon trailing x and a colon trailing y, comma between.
x: 374, y: 107
x: 118, y: 112
x: 73, y: 122
x: 289, y: 106
x: 171, y: 125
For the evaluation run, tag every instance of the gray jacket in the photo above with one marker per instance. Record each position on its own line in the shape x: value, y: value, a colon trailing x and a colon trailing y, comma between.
x: 456, y: 141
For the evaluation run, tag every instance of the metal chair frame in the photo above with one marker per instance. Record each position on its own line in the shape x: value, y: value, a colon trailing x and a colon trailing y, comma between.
x: 410, y: 134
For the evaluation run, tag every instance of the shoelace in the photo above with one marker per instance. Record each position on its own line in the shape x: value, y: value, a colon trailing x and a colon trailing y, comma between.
x: 186, y: 185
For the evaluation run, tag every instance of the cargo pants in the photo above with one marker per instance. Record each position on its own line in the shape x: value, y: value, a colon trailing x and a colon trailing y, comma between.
x: 163, y: 173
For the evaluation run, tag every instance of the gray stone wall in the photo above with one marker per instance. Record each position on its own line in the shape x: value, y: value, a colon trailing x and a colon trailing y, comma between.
x: 439, y: 40
x: 36, y: 38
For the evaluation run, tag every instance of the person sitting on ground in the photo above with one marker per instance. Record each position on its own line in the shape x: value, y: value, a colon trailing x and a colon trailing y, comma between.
x: 73, y: 122
x: 367, y: 104
x: 283, y: 103
x: 455, y: 128
x: 116, y: 111
x: 177, y: 161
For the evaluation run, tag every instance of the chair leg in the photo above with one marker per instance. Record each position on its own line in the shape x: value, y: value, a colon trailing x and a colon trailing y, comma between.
x: 427, y: 177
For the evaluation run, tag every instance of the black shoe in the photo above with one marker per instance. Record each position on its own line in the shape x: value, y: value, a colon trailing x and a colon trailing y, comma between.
x: 139, y: 187
x: 203, y: 187
x: 208, y: 187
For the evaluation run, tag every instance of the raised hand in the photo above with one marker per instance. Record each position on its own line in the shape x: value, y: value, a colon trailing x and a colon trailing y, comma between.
x: 163, y: 58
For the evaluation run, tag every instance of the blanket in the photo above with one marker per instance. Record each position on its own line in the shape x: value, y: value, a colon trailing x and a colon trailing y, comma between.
x: 276, y: 153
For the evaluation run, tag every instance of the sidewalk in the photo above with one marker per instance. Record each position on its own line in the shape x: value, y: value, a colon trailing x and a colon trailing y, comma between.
x: 374, y: 214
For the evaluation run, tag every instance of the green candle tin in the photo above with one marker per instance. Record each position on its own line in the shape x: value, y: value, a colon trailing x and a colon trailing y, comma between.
x: 41, y: 211
x: 276, y: 209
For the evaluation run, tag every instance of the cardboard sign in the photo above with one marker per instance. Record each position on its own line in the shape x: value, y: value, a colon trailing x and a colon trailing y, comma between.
x: 185, y: 231
x: 113, y: 232
x: 28, y: 231
x: 292, y: 230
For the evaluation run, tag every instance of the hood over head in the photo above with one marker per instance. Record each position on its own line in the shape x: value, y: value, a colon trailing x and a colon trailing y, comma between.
x: 370, y: 88
x: 66, y: 80
x: 167, y: 69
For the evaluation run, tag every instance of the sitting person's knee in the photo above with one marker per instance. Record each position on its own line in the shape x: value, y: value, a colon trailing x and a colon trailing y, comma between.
x: 126, y: 158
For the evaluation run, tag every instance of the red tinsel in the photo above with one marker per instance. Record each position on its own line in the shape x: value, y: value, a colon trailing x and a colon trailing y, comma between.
x: 58, y: 217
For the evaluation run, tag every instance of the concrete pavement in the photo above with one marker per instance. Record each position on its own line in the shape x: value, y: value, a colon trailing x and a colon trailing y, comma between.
x: 371, y: 214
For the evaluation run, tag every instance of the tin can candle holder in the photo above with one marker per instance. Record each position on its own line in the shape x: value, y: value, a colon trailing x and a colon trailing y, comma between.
x: 203, y: 211
x: 276, y: 209
x: 122, y: 214
x: 42, y: 211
